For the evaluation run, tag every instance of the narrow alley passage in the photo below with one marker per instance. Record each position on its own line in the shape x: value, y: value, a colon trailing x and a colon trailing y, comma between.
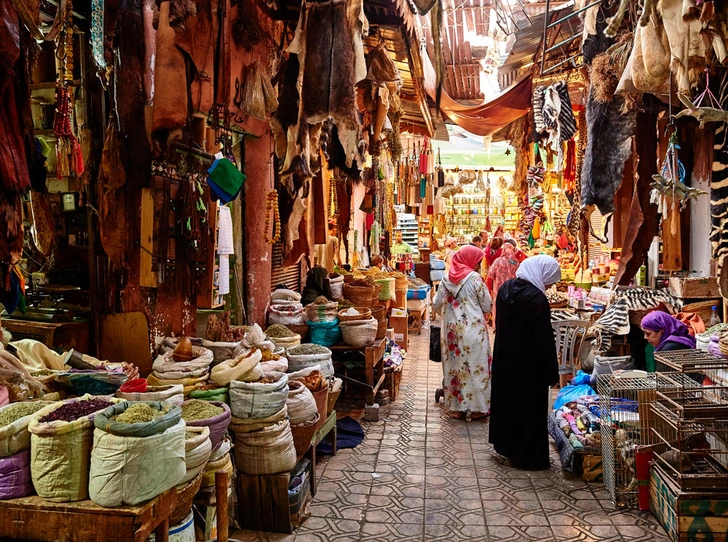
x: 421, y: 476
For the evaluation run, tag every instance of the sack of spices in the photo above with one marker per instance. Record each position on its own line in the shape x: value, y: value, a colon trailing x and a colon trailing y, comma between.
x: 211, y: 392
x: 301, y: 404
x: 188, y: 384
x: 166, y: 367
x: 15, y: 479
x: 171, y: 393
x: 197, y: 451
x: 248, y: 425
x: 325, y: 333
x: 128, y: 470
x: 322, y: 310
x: 138, y: 419
x: 286, y: 314
x: 283, y: 337
x: 61, y: 436
x: 267, y: 451
x: 259, y: 399
x: 14, y: 420
x: 213, y: 415
x: 308, y: 355
x: 244, y: 367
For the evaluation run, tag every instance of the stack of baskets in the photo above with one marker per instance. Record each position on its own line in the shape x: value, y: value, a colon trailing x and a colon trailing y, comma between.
x: 380, y: 315
x: 358, y: 329
x: 400, y: 284
x: 360, y: 296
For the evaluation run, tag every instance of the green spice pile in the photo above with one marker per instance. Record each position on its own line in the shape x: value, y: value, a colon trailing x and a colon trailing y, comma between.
x: 195, y: 410
x: 78, y: 409
x: 157, y: 388
x: 191, y: 434
x: 18, y: 410
x: 321, y: 300
x: 279, y: 331
x: 345, y: 304
x: 308, y: 349
x: 138, y: 413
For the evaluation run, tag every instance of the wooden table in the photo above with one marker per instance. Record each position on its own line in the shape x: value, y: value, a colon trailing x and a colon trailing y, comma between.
x: 36, y: 519
x: 59, y: 336
x: 373, y: 368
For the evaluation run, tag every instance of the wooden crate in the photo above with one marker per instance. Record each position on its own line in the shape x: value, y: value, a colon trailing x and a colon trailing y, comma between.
x: 392, y: 380
x: 263, y: 503
x: 695, y: 288
x: 688, y: 517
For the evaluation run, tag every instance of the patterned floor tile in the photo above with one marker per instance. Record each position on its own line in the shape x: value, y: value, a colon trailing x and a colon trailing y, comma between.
x: 601, y: 533
x: 451, y: 533
x: 634, y: 533
x: 339, y: 505
x: 324, y: 529
x: 514, y: 533
x: 440, y: 487
x: 399, y: 485
x: 253, y: 536
x: 381, y: 509
x: 388, y: 532
x: 346, y: 482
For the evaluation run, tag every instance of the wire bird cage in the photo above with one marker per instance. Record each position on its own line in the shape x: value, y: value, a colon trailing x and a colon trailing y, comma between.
x: 624, y: 412
x: 690, y: 419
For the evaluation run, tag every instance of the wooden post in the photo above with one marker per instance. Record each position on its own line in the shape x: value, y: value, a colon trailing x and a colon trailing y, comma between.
x: 221, y: 496
x: 672, y: 243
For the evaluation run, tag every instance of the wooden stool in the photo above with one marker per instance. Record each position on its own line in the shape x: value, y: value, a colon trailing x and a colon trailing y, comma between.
x: 414, y: 323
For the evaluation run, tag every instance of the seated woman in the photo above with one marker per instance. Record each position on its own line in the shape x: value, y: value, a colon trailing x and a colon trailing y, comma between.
x: 666, y: 332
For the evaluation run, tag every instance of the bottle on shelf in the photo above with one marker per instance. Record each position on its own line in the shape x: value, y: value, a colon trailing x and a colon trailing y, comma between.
x: 714, y: 318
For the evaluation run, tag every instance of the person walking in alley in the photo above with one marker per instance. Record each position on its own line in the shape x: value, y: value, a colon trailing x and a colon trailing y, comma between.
x: 503, y: 269
x: 463, y: 300
x: 525, y: 365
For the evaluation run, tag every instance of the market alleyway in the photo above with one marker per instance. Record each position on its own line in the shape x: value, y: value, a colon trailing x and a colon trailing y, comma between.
x: 421, y: 476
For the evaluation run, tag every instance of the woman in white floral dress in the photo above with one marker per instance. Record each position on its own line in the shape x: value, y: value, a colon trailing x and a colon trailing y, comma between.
x: 463, y: 300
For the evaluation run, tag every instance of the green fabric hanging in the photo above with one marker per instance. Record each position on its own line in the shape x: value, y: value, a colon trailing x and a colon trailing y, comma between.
x: 650, y: 358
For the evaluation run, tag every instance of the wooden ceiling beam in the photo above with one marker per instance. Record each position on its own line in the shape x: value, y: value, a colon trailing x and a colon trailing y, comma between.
x: 418, y: 77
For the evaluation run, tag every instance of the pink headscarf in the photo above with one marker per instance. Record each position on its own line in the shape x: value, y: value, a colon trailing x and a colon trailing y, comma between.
x: 464, y: 262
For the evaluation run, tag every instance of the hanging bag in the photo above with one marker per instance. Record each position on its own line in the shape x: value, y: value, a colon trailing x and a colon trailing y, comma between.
x: 435, y: 349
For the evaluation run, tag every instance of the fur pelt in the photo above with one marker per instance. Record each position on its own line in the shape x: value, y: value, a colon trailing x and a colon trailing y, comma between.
x: 288, y: 102
x: 615, y: 22
x: 597, y: 43
x: 179, y: 10
x: 608, y: 146
x: 719, y: 185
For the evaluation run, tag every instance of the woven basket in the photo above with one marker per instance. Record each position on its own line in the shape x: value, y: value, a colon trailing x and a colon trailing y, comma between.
x: 723, y: 344
x: 381, y: 330
x: 635, y: 317
x: 379, y: 313
x: 322, y: 401
x: 704, y: 309
x: 364, y: 314
x: 348, y: 277
x: 400, y: 281
x: 303, y: 433
x: 376, y: 295
x: 185, y: 495
x: 360, y: 296
x: 333, y: 397
x: 360, y: 332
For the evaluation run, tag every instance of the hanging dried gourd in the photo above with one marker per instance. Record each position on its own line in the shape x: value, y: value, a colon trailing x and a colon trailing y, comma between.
x: 257, y: 98
x: 69, y: 158
x: 271, y: 207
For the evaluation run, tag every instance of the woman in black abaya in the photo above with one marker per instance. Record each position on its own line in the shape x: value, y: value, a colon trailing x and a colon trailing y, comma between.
x: 525, y: 365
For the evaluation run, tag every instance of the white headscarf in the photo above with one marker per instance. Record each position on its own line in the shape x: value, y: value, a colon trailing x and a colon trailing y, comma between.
x: 540, y: 271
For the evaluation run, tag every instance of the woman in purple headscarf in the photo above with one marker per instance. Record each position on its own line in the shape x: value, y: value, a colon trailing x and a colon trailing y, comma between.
x: 665, y: 332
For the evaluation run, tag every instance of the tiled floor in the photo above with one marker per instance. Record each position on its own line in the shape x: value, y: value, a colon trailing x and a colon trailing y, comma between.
x: 420, y: 475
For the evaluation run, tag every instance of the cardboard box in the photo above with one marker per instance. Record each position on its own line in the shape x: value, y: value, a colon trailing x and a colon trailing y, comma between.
x: 695, y: 288
x: 400, y: 326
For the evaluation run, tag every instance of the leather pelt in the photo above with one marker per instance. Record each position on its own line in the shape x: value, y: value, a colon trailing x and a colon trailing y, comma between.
x: 11, y: 217
x: 329, y: 67
x: 643, y: 223
x: 597, y: 43
x: 608, y: 146
x: 287, y: 113
x: 687, y: 46
x: 113, y: 220
x: 719, y: 184
x: 170, y: 98
x: 179, y: 10
x: 197, y: 42
x: 130, y: 95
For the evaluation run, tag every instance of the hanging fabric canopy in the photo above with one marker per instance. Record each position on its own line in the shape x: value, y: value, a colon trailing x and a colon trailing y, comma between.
x: 487, y: 118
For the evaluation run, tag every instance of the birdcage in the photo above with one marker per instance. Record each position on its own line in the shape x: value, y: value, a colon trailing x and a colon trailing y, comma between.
x: 625, y: 425
x: 690, y: 419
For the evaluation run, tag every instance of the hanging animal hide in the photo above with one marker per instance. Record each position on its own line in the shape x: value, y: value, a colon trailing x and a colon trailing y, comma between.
x: 643, y: 223
x: 11, y: 216
x: 598, y: 42
x: 113, y: 220
x: 170, y: 99
x: 719, y: 185
x: 195, y: 35
x: 287, y: 113
x: 687, y: 46
x: 328, y: 42
x: 42, y: 230
x: 608, y: 146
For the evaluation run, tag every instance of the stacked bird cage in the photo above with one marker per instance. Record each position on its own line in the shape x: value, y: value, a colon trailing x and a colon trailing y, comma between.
x: 624, y: 412
x: 690, y: 420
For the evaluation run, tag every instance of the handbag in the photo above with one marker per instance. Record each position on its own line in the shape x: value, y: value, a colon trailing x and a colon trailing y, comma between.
x: 435, y: 348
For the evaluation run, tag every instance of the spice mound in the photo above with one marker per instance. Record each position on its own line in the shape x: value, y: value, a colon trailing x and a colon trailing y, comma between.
x: 321, y: 300
x: 196, y: 409
x: 308, y: 349
x: 17, y: 411
x: 138, y: 413
x: 268, y: 355
x: 279, y: 331
x: 73, y: 411
x: 191, y: 434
